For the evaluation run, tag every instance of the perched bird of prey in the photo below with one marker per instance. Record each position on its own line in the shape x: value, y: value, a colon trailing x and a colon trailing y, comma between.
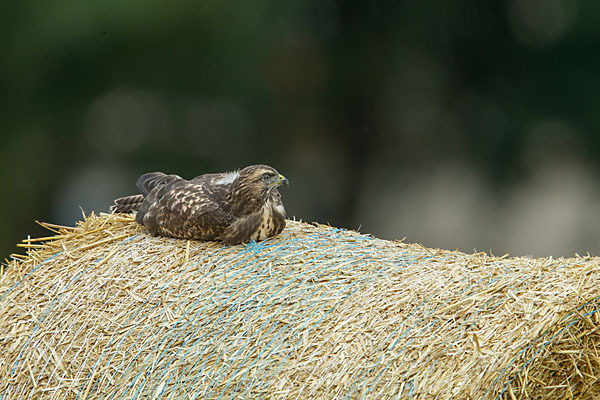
x: 233, y: 207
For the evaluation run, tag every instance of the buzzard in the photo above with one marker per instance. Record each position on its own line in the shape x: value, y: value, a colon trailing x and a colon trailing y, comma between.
x: 233, y: 207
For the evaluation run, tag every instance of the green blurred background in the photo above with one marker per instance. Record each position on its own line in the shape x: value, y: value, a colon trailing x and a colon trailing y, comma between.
x: 469, y: 125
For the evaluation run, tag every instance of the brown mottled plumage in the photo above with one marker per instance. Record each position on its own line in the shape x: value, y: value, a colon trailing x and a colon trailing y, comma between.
x: 234, y: 207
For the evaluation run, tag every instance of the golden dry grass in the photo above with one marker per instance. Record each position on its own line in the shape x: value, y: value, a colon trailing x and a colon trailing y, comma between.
x: 105, y: 311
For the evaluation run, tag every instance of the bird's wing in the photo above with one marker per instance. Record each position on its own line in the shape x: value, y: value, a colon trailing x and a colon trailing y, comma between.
x: 151, y: 180
x: 190, y: 199
x: 186, y: 210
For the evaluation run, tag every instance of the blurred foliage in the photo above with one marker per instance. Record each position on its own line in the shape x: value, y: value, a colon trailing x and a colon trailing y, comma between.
x: 333, y: 91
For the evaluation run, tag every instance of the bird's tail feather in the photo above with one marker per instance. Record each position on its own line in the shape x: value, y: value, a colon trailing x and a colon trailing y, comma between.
x: 128, y: 204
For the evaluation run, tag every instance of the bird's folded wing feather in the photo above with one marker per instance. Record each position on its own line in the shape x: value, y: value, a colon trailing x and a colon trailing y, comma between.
x: 184, y: 209
x: 189, y: 199
x: 151, y: 180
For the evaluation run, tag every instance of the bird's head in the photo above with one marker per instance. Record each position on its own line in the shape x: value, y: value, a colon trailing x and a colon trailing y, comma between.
x: 253, y: 186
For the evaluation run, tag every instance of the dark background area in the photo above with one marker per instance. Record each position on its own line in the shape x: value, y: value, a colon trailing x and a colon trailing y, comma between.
x: 469, y: 125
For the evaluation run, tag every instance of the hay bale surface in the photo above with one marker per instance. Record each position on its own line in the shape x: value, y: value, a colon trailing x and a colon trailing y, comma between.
x: 105, y: 311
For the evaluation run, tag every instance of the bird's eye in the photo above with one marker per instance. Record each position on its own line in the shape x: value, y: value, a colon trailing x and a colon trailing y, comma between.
x: 266, y: 176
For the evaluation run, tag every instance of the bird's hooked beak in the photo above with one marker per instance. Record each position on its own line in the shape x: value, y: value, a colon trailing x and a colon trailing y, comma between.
x: 282, y: 181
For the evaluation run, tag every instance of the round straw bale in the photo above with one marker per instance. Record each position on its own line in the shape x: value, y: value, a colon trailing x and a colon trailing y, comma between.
x: 105, y: 311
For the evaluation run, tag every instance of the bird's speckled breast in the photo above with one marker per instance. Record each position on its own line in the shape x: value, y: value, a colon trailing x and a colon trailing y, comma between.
x: 272, y: 222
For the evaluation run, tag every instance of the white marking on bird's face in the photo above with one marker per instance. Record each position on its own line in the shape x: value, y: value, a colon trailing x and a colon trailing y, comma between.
x: 228, y: 178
